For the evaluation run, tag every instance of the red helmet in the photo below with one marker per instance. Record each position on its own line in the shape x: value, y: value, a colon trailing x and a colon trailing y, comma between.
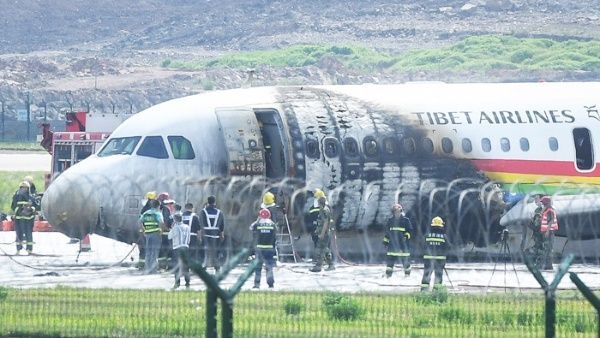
x: 163, y: 196
x: 546, y: 200
x: 264, y: 214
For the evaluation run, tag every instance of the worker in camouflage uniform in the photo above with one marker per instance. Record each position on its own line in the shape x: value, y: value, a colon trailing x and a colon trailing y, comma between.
x: 324, y: 232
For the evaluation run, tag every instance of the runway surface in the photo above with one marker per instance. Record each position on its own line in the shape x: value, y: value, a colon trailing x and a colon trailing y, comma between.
x: 110, y: 264
x: 24, y: 161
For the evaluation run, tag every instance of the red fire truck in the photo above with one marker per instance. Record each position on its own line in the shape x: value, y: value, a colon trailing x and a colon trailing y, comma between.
x: 85, y: 133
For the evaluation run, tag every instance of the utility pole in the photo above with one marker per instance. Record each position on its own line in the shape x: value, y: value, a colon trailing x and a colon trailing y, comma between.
x: 28, y: 117
x: 2, y: 120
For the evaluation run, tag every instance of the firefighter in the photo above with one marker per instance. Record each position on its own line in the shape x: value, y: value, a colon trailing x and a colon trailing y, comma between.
x: 151, y: 224
x: 191, y: 219
x: 435, y: 253
x: 268, y: 202
x: 325, y: 232
x: 24, y: 208
x: 212, y: 231
x: 396, y: 239
x: 32, y: 188
x: 312, y: 216
x: 548, y: 225
x: 150, y: 196
x: 165, y: 254
x: 264, y: 231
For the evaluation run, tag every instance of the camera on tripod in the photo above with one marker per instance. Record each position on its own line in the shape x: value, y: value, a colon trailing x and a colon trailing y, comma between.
x: 504, y: 235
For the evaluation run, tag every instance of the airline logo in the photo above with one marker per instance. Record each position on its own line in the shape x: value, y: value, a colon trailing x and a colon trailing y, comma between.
x: 593, y: 112
x: 496, y: 117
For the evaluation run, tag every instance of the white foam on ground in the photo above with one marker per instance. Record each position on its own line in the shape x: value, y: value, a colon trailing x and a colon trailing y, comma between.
x: 56, y: 264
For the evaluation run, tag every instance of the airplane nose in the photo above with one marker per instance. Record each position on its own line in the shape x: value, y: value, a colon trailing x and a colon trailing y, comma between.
x: 70, y: 205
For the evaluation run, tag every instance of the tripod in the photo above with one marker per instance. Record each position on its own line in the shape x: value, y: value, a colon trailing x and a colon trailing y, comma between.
x: 503, y: 252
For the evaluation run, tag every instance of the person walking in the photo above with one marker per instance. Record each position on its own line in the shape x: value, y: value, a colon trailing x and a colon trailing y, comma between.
x: 434, y: 259
x: 324, y: 232
x: 24, y: 210
x: 212, y: 230
x: 151, y: 224
x: 180, y: 237
x: 264, y: 231
x: 396, y: 239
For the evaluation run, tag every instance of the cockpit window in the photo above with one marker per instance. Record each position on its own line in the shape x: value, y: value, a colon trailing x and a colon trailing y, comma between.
x: 119, y: 146
x: 153, y: 146
x: 181, y: 148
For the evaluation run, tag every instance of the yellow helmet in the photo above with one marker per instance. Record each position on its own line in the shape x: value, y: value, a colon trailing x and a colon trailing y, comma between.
x: 28, y: 179
x: 437, y: 222
x: 24, y: 184
x: 319, y: 193
x: 268, y: 198
x: 151, y: 195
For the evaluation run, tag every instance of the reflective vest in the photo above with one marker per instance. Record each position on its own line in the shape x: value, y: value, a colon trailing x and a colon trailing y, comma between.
x: 544, y: 225
x: 266, y: 234
x: 24, y: 211
x: 435, y: 245
x: 187, y: 219
x: 150, y: 222
x: 211, y: 229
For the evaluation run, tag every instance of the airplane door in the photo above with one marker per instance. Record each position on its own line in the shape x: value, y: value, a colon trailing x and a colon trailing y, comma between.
x: 241, y: 133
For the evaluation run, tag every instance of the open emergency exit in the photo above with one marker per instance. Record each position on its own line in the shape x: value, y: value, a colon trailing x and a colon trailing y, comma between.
x: 243, y: 141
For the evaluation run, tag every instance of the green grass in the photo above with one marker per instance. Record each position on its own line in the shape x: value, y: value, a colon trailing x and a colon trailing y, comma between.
x: 24, y: 146
x: 9, y: 183
x: 86, y: 312
x: 477, y: 53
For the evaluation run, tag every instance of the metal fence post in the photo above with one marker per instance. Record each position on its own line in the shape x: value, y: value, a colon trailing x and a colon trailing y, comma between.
x: 588, y: 294
x: 550, y: 291
x: 213, y: 291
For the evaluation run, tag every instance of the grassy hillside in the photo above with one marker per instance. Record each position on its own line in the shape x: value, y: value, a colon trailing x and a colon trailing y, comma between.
x: 477, y: 53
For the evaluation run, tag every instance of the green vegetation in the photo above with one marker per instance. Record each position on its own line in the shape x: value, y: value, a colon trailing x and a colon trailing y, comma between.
x: 87, y: 312
x: 10, y: 181
x: 21, y: 146
x: 476, y: 53
x: 293, y: 307
x: 341, y: 307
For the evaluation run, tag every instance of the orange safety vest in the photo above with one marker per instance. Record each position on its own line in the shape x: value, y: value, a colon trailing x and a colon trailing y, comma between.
x: 553, y: 225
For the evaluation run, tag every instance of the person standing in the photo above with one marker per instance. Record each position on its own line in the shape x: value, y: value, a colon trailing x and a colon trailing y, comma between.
x: 212, y: 230
x: 24, y: 210
x: 180, y: 237
x: 325, y: 232
x: 191, y: 219
x: 264, y: 231
x: 396, y: 239
x: 152, y: 222
x: 536, y: 221
x: 548, y: 225
x: 435, y: 253
x: 150, y: 196
x: 268, y: 202
x: 165, y: 253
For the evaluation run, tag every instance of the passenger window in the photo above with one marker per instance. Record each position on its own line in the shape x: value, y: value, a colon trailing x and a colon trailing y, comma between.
x: 427, y: 145
x: 524, y: 144
x: 390, y: 146
x: 119, y: 146
x: 486, y: 145
x: 153, y: 146
x: 505, y: 144
x: 371, y: 147
x: 467, y: 147
x: 447, y: 145
x: 181, y: 148
x: 584, y: 152
x: 331, y: 148
x: 312, y: 149
x: 408, y: 145
x: 553, y: 143
x: 351, y: 147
